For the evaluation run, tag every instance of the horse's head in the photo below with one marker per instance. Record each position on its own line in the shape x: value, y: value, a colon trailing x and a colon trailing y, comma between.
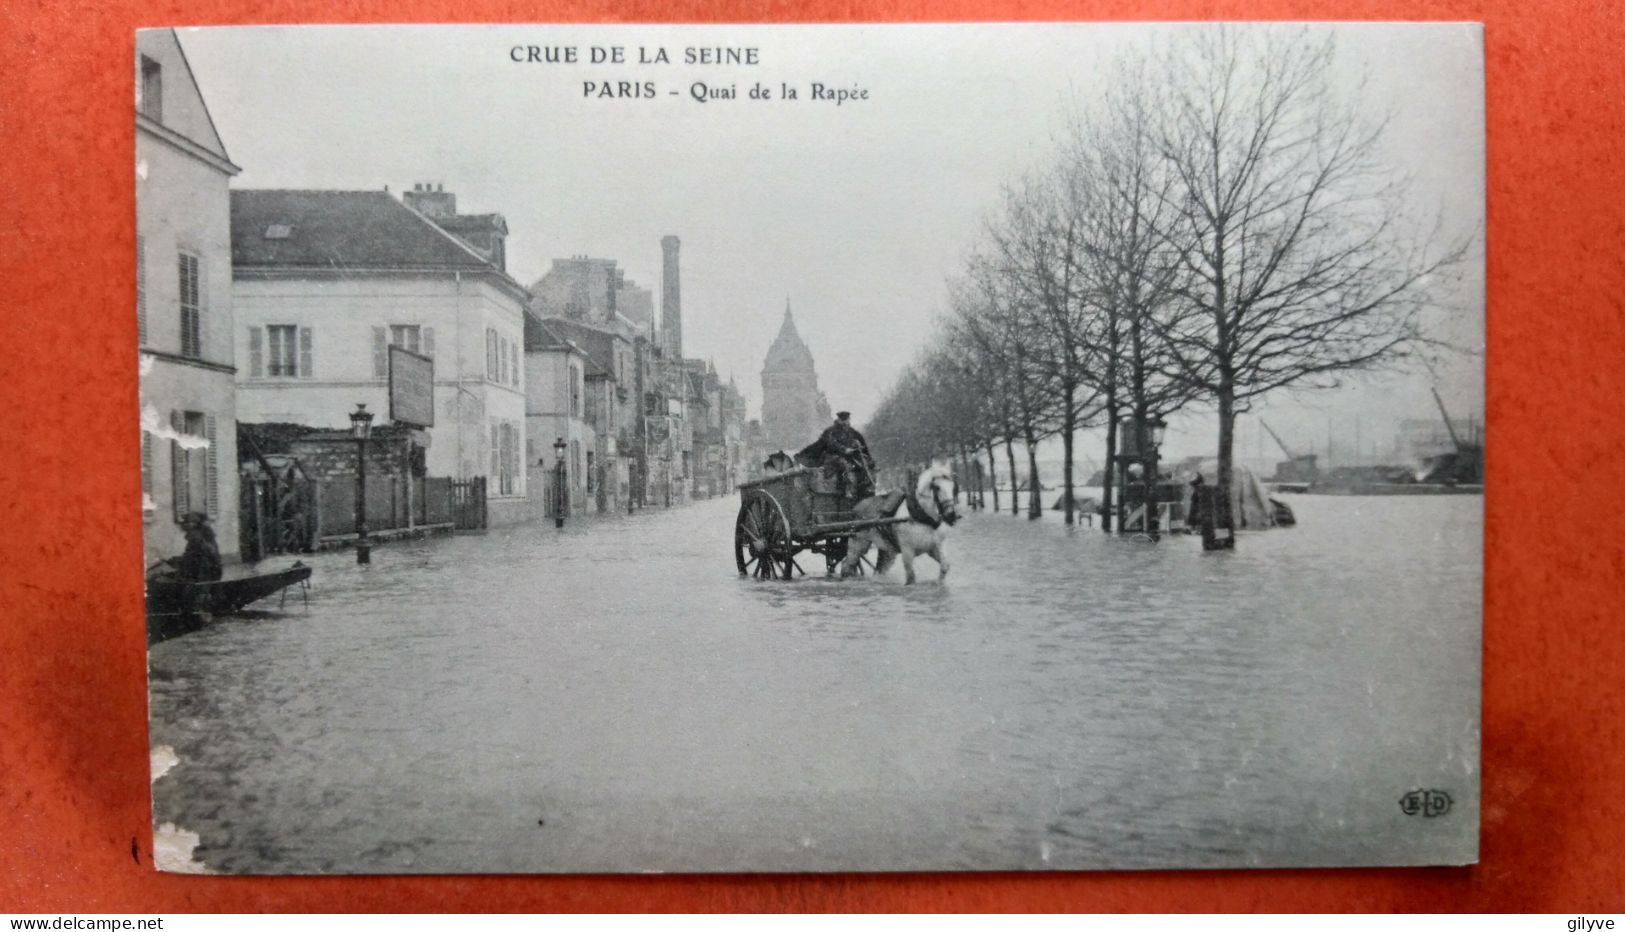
x: 936, y: 487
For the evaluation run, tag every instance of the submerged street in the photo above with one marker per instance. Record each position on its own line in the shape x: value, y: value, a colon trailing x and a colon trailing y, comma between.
x: 614, y: 697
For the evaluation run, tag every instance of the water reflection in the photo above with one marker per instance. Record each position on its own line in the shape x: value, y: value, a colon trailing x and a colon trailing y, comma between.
x: 1066, y: 700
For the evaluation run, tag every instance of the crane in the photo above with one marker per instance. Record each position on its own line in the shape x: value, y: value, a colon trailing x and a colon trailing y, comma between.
x: 1465, y: 465
x: 1278, y: 441
x: 1454, y: 440
x: 1298, y: 467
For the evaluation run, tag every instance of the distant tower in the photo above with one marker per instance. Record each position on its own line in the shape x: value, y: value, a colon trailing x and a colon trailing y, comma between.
x: 790, y: 396
x: 671, y: 297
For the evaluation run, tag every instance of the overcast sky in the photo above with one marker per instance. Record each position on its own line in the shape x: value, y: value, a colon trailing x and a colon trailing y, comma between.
x: 856, y: 213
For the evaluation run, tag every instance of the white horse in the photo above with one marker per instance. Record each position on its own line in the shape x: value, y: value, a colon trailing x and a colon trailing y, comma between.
x: 930, y: 513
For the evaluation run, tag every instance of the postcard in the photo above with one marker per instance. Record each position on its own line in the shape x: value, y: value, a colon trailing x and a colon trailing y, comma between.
x: 983, y: 447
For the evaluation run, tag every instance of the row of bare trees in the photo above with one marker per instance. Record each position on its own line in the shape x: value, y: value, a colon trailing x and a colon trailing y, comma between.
x: 1218, y: 225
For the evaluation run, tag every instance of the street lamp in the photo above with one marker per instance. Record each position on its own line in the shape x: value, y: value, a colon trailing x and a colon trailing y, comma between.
x: 561, y: 497
x: 1157, y: 429
x: 361, y: 429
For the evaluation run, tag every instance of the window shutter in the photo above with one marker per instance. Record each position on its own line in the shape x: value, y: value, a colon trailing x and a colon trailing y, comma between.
x: 211, y: 479
x: 255, y: 353
x: 380, y: 353
x: 177, y: 463
x: 513, y: 358
x: 146, y: 466
x: 141, y: 288
x: 428, y: 342
x: 306, y: 368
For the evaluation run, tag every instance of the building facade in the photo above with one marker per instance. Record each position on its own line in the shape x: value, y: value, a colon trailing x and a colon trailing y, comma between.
x: 611, y: 409
x: 794, y: 411
x: 325, y: 282
x: 556, y: 400
x: 184, y: 315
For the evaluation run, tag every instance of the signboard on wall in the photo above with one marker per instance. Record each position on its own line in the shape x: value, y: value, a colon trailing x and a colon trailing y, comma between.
x: 411, y: 388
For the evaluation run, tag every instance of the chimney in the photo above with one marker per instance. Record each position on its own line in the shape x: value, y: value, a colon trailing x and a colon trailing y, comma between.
x: 431, y: 201
x: 671, y: 303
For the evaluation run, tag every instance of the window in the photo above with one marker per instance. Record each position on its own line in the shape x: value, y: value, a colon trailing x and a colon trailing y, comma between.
x: 409, y: 337
x: 406, y: 336
x: 191, y: 307
x: 513, y: 352
x: 151, y: 101
x: 575, y: 392
x: 592, y: 481
x: 504, y: 457
x: 194, y: 468
x: 510, y: 460
x: 496, y: 454
x: 284, y: 347
x: 575, y: 459
x: 289, y: 349
x: 141, y: 289
x: 490, y: 355
x: 502, y: 360
x: 146, y: 475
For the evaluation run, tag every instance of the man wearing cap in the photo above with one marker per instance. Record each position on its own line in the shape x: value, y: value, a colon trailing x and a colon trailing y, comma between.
x: 201, y: 561
x: 842, y: 450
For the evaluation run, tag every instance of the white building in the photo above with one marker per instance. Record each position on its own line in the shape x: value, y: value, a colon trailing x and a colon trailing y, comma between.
x: 556, y: 371
x: 325, y: 281
x: 183, y: 303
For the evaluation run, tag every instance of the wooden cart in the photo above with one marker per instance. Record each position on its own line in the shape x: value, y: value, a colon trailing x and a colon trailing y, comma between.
x: 785, y: 514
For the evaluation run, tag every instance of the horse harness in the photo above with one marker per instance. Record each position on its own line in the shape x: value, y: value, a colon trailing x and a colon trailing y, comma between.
x: 917, y: 512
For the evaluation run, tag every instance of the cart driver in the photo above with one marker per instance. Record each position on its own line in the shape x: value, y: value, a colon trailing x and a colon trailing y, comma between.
x: 842, y: 450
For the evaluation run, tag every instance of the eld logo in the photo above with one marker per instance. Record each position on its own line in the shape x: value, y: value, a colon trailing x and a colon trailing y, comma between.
x: 1429, y: 804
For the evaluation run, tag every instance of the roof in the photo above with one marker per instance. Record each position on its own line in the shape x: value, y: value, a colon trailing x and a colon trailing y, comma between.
x: 788, y: 350
x: 342, y: 229
x: 186, y: 116
x: 474, y: 223
x: 555, y: 333
x: 596, y: 343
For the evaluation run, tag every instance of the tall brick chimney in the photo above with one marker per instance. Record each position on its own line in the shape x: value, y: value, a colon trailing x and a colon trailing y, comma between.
x: 431, y: 200
x: 671, y: 300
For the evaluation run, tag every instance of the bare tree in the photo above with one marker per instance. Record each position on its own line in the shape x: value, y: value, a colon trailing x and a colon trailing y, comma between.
x: 1300, y: 257
x: 1137, y: 276
x: 1039, y: 247
x: 999, y: 322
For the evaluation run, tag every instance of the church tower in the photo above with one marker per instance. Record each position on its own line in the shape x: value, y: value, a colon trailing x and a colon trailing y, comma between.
x: 790, y: 397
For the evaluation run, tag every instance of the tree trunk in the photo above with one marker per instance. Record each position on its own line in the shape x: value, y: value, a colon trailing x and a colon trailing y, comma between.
x: 1010, y: 455
x: 1145, y: 443
x: 1035, y: 506
x: 1227, y: 425
x: 970, y: 479
x: 1111, y: 461
x: 1069, y: 420
x: 993, y: 474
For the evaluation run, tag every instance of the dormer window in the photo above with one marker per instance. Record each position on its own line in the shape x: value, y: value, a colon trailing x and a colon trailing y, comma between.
x: 151, y: 102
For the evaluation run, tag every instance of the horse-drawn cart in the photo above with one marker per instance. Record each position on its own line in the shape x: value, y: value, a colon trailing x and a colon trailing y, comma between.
x: 784, y: 514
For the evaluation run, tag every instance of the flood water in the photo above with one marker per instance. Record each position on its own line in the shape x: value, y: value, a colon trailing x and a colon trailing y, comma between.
x: 614, y: 697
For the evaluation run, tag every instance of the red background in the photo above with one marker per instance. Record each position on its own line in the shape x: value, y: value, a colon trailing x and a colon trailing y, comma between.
x: 72, y: 656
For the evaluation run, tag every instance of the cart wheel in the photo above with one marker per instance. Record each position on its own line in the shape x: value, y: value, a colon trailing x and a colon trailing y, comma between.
x: 762, y: 545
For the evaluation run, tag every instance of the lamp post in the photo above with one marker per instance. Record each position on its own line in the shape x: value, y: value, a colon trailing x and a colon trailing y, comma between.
x: 361, y: 429
x: 560, y: 474
x: 1156, y: 429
